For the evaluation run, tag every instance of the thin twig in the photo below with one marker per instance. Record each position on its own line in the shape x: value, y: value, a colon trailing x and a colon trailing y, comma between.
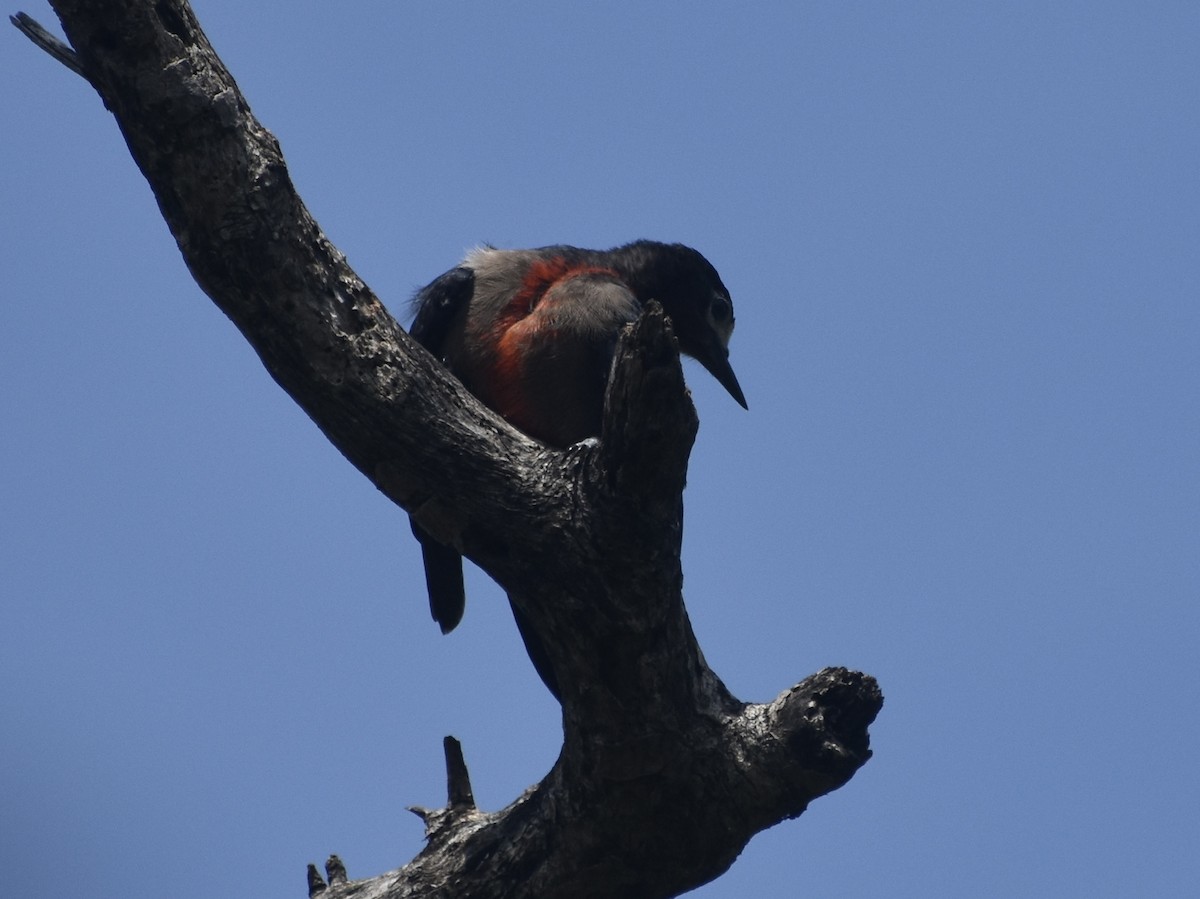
x: 48, y: 42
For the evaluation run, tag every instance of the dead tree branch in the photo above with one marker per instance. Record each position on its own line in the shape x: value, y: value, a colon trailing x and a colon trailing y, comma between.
x: 664, y: 776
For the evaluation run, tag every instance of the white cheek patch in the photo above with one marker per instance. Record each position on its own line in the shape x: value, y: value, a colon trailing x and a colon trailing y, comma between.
x: 723, y: 330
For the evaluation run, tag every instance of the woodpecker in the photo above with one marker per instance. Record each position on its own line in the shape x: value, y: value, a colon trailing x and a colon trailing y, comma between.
x: 532, y: 332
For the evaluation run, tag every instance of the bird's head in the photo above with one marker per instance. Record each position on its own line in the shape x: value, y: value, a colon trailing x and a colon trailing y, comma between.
x: 693, y: 295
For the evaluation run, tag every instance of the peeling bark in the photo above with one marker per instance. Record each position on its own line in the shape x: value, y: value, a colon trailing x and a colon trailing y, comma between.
x: 663, y: 775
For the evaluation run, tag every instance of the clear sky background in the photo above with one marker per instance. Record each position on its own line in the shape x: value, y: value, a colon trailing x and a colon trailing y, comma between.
x: 963, y: 241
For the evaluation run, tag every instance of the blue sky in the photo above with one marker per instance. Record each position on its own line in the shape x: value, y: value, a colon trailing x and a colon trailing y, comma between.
x: 963, y: 243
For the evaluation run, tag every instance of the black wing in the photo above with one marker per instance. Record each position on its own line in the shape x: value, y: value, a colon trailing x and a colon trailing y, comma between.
x: 438, y: 304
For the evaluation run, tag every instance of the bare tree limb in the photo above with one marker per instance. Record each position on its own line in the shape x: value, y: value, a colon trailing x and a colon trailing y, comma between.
x: 47, y: 42
x: 664, y: 775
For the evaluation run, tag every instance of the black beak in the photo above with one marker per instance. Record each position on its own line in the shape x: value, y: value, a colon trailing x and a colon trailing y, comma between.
x: 717, y: 363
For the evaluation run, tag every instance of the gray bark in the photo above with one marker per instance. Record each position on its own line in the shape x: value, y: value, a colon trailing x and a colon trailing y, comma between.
x: 663, y: 775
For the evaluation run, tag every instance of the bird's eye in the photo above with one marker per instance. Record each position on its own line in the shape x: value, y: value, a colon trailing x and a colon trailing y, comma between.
x: 721, y: 310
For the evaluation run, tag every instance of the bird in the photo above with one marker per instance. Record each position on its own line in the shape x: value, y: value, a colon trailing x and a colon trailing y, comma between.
x: 531, y: 333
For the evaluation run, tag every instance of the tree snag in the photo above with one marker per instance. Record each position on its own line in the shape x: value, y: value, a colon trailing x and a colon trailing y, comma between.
x: 664, y: 775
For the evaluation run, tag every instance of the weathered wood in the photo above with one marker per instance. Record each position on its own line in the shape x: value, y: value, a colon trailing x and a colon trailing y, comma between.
x: 664, y: 775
